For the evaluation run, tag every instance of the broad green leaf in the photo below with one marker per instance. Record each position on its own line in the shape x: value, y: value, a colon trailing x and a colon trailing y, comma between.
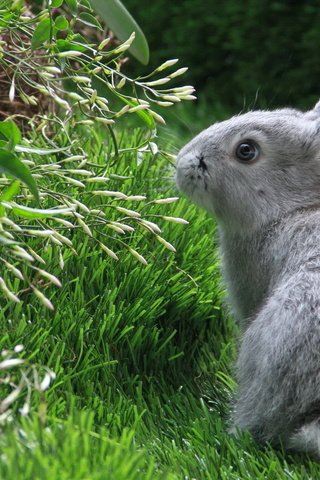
x: 56, y: 3
x: 61, y: 23
x: 28, y: 212
x: 9, y: 163
x: 65, y: 45
x: 89, y: 19
x: 73, y: 5
x: 8, y: 194
x: 85, y: 3
x: 4, y: 19
x: 41, y: 33
x: 10, y: 132
x: 117, y: 17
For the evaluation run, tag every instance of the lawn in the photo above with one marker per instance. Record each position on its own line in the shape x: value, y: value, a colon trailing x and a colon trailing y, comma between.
x: 142, y: 353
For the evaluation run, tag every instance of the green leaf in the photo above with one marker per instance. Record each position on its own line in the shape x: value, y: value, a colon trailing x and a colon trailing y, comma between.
x: 28, y: 212
x: 5, y: 19
x: 56, y: 3
x: 64, y: 45
x: 85, y: 4
x: 73, y: 5
x: 10, y: 132
x: 41, y: 33
x: 122, y: 24
x: 10, y: 164
x: 89, y: 19
x: 61, y: 23
x: 8, y: 194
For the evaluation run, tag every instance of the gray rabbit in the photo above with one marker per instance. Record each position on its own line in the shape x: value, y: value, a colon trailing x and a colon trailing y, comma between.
x: 259, y: 175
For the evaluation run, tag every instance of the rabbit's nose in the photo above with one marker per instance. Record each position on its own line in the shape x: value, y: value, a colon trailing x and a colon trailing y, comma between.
x: 202, y: 164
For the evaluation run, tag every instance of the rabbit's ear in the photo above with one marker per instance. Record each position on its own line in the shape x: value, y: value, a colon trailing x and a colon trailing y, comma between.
x: 314, y: 114
x: 316, y: 108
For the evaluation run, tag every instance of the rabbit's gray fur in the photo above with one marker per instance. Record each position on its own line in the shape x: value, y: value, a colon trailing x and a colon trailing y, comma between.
x: 268, y: 214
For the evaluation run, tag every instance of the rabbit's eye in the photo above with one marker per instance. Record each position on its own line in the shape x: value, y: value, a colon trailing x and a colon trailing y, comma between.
x: 247, y: 151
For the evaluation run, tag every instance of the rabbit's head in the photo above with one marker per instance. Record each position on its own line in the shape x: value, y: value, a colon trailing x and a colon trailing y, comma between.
x: 255, y: 167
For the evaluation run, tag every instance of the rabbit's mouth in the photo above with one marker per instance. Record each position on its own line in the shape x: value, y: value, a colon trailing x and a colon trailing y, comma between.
x: 202, y: 164
x: 192, y: 176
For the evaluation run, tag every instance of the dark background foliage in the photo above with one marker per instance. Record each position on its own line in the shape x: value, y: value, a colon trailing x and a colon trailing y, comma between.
x: 242, y: 55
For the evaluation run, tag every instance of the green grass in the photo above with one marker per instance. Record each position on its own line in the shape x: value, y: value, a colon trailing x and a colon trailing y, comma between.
x: 143, y: 357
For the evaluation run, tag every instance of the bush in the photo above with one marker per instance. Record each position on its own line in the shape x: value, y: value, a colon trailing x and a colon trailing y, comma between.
x: 47, y: 64
x: 243, y: 55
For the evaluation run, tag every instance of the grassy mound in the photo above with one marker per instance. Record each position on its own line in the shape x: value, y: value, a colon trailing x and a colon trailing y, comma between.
x: 143, y: 359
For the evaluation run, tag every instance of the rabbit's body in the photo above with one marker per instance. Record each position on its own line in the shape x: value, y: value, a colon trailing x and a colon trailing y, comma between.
x: 268, y: 212
x: 279, y: 360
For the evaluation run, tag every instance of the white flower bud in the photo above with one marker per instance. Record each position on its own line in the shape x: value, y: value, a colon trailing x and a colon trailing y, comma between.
x: 53, y: 279
x: 10, y: 399
x: 121, y: 83
x: 49, y: 376
x: 150, y: 225
x: 124, y: 227
x: 18, y: 348
x: 102, y: 105
x: 130, y: 213
x: 162, y: 201
x: 188, y: 97
x: 115, y: 228
x: 12, y: 90
x: 138, y: 107
x: 43, y: 299
x: 165, y: 243
x: 164, y: 104
x: 85, y: 122
x: 171, y: 98
x: 79, y: 171
x: 181, y: 71
x: 61, y: 261
x: 104, y: 43
x: 10, y: 362
x: 137, y: 255
x: 24, y: 411
x: 136, y: 198
x: 175, y: 220
x: 70, y: 53
x: 160, y: 81
x: 109, y: 252
x: 8, y: 292
x: 84, y: 227
x: 109, y: 193
x: 123, y: 111
x: 75, y: 96
x: 81, y: 79
x: 98, y: 179
x: 106, y: 121
x: 74, y: 182
x: 20, y: 252
x: 52, y: 69
x: 62, y: 239
x: 74, y: 158
x: 157, y: 117
x: 168, y: 63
